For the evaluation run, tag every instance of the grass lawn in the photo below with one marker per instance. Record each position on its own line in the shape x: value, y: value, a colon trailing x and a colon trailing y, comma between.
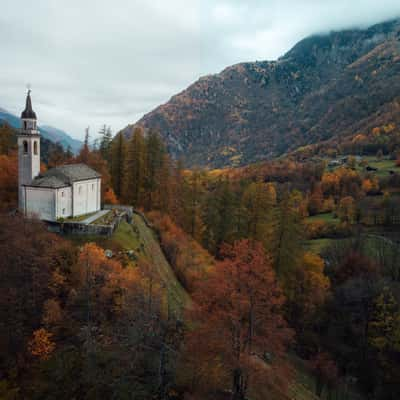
x: 318, y: 245
x: 79, y: 218
x: 143, y: 241
x: 126, y: 237
x: 384, y: 166
x: 328, y: 218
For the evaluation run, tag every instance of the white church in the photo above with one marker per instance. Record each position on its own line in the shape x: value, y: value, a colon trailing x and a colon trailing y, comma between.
x: 61, y: 192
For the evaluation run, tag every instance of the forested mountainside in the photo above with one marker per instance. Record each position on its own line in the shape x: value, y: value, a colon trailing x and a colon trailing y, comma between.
x: 327, y: 86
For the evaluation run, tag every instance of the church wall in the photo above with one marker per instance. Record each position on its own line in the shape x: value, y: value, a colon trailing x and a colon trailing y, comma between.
x: 86, y: 196
x: 41, y: 202
x: 28, y: 163
x: 64, y: 202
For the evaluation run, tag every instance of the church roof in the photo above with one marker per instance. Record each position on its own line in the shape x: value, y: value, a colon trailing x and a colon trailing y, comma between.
x: 28, y: 112
x: 64, y: 176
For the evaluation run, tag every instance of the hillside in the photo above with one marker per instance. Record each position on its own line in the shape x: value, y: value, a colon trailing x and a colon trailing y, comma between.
x: 327, y: 86
x: 50, y: 133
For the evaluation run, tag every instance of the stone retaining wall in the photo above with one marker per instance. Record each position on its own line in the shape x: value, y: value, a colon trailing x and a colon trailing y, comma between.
x: 78, y: 228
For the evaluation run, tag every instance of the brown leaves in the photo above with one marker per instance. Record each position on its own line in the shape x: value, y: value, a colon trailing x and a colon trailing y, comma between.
x: 238, y: 313
x: 41, y: 344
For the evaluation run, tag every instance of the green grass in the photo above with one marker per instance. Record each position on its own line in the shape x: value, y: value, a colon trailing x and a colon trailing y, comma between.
x: 79, y: 218
x: 329, y: 218
x: 318, y: 245
x: 384, y: 165
x: 140, y: 238
x: 126, y: 237
x: 177, y: 295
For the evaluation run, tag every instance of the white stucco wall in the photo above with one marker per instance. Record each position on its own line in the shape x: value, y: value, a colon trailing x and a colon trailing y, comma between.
x: 64, y: 202
x: 86, y: 196
x: 28, y: 163
x: 40, y: 202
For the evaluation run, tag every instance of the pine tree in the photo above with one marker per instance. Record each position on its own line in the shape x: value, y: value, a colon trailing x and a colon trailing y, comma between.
x: 285, y: 242
x: 154, y: 162
x: 133, y: 181
x: 105, y: 142
x: 84, y: 152
x: 118, y: 156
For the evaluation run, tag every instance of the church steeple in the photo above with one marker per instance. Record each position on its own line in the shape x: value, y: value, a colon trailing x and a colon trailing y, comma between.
x: 28, y: 113
x: 28, y: 150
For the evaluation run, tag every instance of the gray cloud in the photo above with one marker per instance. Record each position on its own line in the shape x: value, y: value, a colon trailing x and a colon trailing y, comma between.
x: 94, y: 61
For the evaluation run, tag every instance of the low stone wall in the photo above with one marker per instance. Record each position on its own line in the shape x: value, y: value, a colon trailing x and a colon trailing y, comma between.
x: 78, y: 228
x: 127, y: 209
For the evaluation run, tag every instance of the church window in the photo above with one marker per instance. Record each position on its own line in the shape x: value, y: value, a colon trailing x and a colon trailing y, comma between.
x: 25, y: 147
x: 25, y: 125
x: 35, y: 148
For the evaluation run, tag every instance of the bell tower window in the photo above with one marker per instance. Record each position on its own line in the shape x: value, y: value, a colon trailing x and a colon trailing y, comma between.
x: 25, y: 125
x: 35, y: 148
x: 25, y: 144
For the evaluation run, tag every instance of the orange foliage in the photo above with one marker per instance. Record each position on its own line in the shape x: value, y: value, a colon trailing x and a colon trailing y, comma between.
x: 8, y: 181
x: 110, y: 197
x: 239, y: 318
x: 189, y: 260
x: 41, y: 344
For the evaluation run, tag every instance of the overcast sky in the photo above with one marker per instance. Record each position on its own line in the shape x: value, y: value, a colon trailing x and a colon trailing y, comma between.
x: 94, y: 62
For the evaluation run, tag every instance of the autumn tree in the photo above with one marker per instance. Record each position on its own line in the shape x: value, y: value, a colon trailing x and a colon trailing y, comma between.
x: 257, y: 202
x: 41, y: 344
x: 239, y: 318
x: 8, y: 142
x: 384, y: 337
x: 8, y: 181
x: 347, y: 209
x: 285, y: 244
x: 306, y: 290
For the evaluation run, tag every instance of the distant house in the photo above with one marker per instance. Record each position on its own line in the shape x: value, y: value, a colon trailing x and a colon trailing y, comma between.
x: 61, y: 192
x: 335, y: 163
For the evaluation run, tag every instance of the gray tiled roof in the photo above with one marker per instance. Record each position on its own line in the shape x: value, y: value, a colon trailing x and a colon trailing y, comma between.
x: 64, y: 175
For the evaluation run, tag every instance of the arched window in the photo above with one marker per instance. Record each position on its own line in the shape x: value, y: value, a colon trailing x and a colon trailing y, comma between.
x: 25, y: 147
x: 25, y: 125
x: 35, y: 148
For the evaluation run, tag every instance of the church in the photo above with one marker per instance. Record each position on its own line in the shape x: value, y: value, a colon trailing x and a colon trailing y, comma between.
x: 60, y: 192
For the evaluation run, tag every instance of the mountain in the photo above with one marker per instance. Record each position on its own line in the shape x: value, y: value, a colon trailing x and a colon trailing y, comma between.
x: 59, y: 136
x: 55, y: 135
x: 326, y: 86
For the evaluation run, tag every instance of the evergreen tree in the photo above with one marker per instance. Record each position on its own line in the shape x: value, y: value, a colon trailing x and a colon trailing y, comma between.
x: 84, y: 152
x: 220, y: 217
x: 133, y: 180
x: 256, y: 206
x: 154, y: 162
x: 192, y: 200
x: 69, y: 154
x: 285, y: 243
x: 117, y: 167
x: 105, y: 142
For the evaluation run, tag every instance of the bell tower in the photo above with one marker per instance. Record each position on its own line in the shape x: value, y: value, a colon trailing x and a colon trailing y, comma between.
x: 28, y: 150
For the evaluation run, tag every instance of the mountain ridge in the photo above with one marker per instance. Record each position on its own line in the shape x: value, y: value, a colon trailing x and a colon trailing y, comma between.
x: 55, y: 135
x: 325, y: 86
